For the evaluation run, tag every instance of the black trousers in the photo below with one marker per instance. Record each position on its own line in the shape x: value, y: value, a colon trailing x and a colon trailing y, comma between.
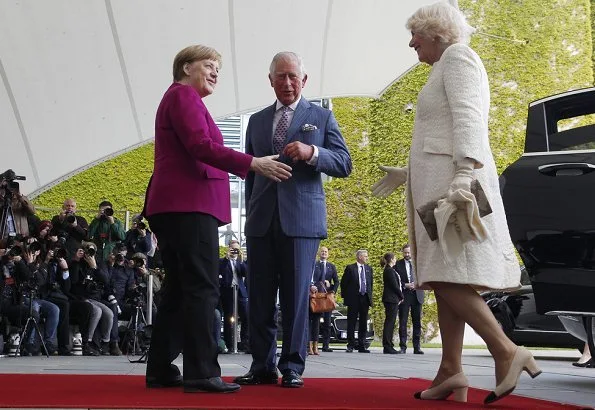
x: 314, y: 320
x: 80, y: 314
x: 388, y: 331
x: 325, y: 326
x: 410, y: 303
x: 353, y: 312
x: 190, y: 293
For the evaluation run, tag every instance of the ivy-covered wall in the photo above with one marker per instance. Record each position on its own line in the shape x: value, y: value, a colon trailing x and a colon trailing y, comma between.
x: 531, y: 49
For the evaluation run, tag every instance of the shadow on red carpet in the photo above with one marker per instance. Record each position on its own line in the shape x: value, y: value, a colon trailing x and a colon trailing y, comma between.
x: 129, y: 392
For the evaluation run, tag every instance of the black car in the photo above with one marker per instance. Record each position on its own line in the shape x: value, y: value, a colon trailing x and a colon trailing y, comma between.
x: 549, y: 198
x: 517, y: 315
x: 338, y: 330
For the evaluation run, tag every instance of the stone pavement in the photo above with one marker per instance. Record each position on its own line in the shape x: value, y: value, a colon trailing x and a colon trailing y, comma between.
x: 560, y: 381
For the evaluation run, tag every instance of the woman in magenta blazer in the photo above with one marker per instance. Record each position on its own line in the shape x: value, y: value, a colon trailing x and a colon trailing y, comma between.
x: 187, y: 199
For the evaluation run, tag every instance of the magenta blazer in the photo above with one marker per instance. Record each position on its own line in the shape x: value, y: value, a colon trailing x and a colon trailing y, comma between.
x: 191, y: 163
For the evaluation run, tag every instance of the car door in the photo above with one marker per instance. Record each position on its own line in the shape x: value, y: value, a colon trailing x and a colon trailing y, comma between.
x: 549, y: 198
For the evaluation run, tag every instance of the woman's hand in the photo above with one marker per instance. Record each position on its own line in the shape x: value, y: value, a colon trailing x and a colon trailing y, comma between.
x: 313, y: 290
x: 394, y: 178
x: 271, y: 168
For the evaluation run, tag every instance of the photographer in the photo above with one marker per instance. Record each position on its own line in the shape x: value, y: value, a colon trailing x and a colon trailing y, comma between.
x: 26, y: 256
x: 14, y: 273
x: 122, y: 282
x: 71, y: 226
x: 51, y: 275
x: 232, y: 272
x: 105, y: 231
x: 88, y: 283
x: 138, y: 238
x: 22, y: 208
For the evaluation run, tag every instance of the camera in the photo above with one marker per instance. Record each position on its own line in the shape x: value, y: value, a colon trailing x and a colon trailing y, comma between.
x: 33, y: 247
x: 70, y: 218
x: 136, y: 295
x: 119, y: 258
x: 234, y: 251
x: 138, y: 262
x: 62, y: 237
x: 90, y: 249
x: 91, y: 285
x: 7, y: 178
x: 141, y: 225
x: 108, y: 211
x: 60, y: 253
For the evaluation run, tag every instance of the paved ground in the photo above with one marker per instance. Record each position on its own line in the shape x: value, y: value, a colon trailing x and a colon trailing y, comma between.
x: 559, y: 382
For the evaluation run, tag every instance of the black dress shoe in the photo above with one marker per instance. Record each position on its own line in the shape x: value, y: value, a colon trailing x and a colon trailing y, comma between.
x: 349, y: 350
x: 210, y: 385
x: 363, y: 350
x: 390, y: 351
x: 418, y: 351
x: 327, y: 349
x: 252, y: 378
x: 403, y: 351
x: 291, y: 379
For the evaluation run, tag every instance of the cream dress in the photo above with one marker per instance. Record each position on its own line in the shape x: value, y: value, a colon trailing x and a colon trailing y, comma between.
x: 451, y: 123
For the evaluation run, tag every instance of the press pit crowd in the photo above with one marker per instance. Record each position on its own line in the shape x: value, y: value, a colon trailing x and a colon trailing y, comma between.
x: 68, y: 272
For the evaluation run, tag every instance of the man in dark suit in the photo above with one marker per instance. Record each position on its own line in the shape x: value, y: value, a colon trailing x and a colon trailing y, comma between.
x: 414, y: 299
x: 328, y: 272
x: 232, y: 272
x: 356, y: 289
x: 285, y: 221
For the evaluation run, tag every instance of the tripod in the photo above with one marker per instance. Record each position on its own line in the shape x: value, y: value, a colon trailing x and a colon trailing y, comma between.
x: 31, y: 321
x: 135, y: 338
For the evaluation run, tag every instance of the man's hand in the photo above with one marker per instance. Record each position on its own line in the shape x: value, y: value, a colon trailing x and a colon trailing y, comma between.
x: 91, y: 262
x: 409, y: 286
x: 313, y: 289
x: 111, y: 220
x: 394, y: 178
x: 270, y: 168
x: 298, y: 151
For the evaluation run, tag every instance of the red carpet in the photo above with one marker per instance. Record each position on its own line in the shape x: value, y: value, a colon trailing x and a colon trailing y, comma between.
x: 127, y: 392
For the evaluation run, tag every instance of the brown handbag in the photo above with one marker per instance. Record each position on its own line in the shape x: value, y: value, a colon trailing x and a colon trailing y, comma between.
x: 322, y: 302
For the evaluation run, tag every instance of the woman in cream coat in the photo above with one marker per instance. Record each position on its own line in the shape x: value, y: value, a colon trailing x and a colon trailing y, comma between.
x: 450, y: 148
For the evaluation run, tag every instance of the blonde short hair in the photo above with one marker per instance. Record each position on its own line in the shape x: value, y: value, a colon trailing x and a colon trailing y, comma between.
x: 441, y: 20
x: 191, y: 54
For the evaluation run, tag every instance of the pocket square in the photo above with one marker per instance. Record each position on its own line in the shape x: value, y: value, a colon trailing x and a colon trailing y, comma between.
x: 309, y: 127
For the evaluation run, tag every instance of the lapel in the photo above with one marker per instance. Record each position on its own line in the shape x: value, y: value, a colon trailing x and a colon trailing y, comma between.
x: 267, y: 127
x: 301, y: 112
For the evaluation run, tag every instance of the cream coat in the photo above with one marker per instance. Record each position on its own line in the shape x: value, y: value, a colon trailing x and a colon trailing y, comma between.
x: 451, y: 123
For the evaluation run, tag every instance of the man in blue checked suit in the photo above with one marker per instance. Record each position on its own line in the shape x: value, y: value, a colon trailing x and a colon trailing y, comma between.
x: 286, y: 220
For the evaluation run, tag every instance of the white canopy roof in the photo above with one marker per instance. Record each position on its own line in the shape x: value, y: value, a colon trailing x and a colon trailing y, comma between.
x: 81, y: 80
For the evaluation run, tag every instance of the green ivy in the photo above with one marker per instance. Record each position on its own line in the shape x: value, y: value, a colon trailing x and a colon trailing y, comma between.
x: 544, y: 47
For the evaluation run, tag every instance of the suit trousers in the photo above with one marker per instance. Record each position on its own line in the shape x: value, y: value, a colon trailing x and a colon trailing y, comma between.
x: 326, y: 329
x: 190, y: 293
x: 353, y: 312
x: 284, y: 264
x: 410, y: 303
x: 388, y: 331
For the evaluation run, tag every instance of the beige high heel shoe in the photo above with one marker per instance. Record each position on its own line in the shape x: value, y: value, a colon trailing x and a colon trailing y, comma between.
x: 456, y: 385
x: 522, y: 360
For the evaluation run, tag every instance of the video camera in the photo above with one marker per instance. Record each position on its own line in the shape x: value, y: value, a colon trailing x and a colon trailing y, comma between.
x: 8, y: 178
x: 137, y: 295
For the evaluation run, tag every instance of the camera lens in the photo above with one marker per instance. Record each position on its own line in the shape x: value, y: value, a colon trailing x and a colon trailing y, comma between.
x: 70, y: 219
x: 90, y: 251
x: 234, y: 251
x: 141, y: 225
x: 60, y: 253
x: 108, y: 212
x: 34, y: 247
x: 15, y: 251
x: 119, y: 258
